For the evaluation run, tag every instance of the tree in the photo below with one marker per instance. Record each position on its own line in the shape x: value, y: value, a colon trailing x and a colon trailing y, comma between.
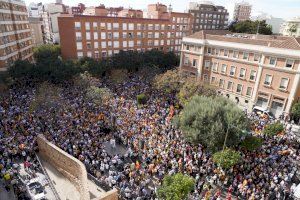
x: 141, y: 99
x: 251, y: 27
x: 227, y: 158
x: 98, y: 95
x: 252, y: 143
x: 46, y: 97
x: 295, y: 112
x: 292, y: 29
x: 273, y: 129
x: 46, y: 54
x: 170, y: 81
x: 208, y: 120
x: 176, y: 187
x: 192, y: 87
x: 21, y: 69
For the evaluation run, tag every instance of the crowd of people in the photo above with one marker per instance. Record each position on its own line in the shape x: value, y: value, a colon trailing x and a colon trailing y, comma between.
x: 154, y: 147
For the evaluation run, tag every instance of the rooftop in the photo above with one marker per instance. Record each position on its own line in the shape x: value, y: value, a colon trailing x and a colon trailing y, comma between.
x: 284, y: 42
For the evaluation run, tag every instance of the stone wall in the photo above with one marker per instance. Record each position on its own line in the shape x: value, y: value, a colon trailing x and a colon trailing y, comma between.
x: 69, y: 166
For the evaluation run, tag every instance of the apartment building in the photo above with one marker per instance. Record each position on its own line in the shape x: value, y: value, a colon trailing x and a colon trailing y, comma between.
x: 36, y: 26
x: 242, y: 11
x: 291, y: 27
x: 208, y: 16
x: 49, y: 15
x: 15, y: 35
x: 76, y: 10
x: 103, y: 36
x: 249, y: 69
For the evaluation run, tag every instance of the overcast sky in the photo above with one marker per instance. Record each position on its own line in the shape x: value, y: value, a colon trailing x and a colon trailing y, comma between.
x: 278, y: 8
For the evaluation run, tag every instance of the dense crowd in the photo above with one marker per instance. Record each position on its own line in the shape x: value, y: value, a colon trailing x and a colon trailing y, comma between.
x: 154, y: 148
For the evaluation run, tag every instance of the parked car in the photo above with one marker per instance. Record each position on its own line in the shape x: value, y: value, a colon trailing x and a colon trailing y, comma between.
x: 259, y: 110
x: 35, y: 190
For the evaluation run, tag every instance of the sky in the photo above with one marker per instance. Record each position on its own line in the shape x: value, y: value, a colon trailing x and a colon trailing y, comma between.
x: 285, y: 9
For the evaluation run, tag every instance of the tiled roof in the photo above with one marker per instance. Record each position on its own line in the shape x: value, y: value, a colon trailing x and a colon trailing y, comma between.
x: 283, y: 42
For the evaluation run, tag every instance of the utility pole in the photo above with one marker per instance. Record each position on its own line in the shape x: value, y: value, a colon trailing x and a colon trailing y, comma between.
x: 257, y: 31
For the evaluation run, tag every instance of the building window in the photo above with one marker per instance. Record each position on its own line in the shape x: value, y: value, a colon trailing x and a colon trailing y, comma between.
x: 239, y: 88
x: 77, y: 25
x: 226, y: 52
x: 246, y: 56
x: 96, y: 45
x: 268, y: 80
x: 194, y: 62
x: 223, y: 69
x: 79, y: 54
x: 221, y: 83
x: 79, y: 45
x: 116, y: 26
x: 289, y: 63
x: 130, y: 26
x: 208, y: 50
x: 103, y: 45
x: 272, y: 61
x: 95, y: 36
x: 78, y: 36
x: 207, y: 64
x: 116, y: 44
x: 249, y: 91
x: 235, y: 54
x: 213, y: 79
x: 124, y: 43
x: 124, y: 26
x: 88, y: 35
x: 205, y: 77
x: 229, y: 85
x: 252, y: 75
x: 284, y: 83
x: 87, y: 26
x: 95, y: 25
x: 215, y: 66
x: 88, y: 45
x: 187, y: 47
x: 186, y: 60
x: 89, y: 54
x: 232, y: 71
x: 256, y: 58
x: 103, y: 36
x: 242, y: 73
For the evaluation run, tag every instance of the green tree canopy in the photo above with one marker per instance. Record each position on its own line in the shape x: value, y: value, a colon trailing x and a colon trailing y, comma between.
x: 21, y: 69
x: 46, y: 54
x: 273, y: 129
x: 170, y: 81
x: 252, y: 143
x: 98, y: 95
x: 193, y: 87
x: 251, y: 27
x: 295, y: 112
x: 227, y: 158
x: 176, y: 187
x: 141, y: 98
x: 205, y: 120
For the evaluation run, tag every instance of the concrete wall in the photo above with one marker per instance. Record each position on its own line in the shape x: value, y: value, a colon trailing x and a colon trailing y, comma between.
x: 69, y: 166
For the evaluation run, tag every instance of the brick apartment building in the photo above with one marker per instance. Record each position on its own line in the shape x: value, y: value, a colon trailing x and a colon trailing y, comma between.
x: 208, y: 16
x: 242, y: 11
x: 101, y: 36
x: 15, y: 34
x: 249, y: 69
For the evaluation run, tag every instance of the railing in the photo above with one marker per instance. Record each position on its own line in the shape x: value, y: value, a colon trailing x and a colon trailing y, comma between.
x: 48, y: 179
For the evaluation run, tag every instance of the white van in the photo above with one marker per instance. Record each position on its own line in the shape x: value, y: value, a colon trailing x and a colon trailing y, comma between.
x: 260, y: 110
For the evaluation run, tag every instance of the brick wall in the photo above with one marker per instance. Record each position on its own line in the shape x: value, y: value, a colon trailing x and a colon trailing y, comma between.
x: 69, y: 166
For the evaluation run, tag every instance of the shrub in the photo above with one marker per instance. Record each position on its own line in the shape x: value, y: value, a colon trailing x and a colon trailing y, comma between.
x: 176, y: 187
x: 141, y: 99
x: 227, y: 158
x: 273, y: 129
x: 251, y: 143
